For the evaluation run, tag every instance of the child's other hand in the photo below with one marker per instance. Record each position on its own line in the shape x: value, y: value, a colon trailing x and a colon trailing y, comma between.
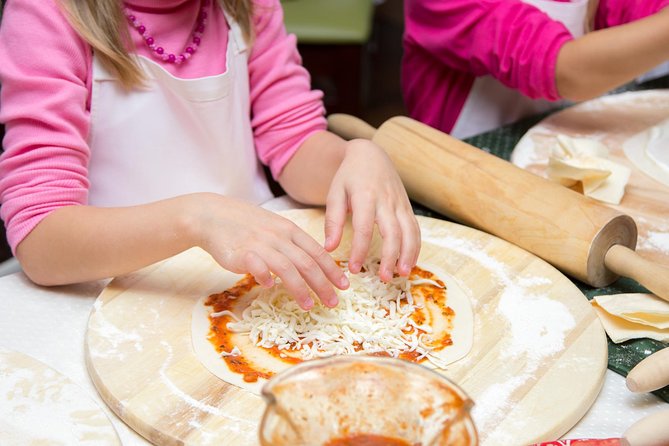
x: 245, y: 238
x: 367, y: 185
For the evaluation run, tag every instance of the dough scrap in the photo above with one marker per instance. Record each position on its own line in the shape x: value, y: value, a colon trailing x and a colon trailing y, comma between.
x: 584, y: 162
x: 633, y: 316
x: 642, y: 308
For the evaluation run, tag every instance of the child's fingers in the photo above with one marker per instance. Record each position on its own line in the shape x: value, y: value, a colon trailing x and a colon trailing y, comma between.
x: 363, y: 219
x: 257, y: 267
x: 336, y: 210
x: 283, y: 267
x: 411, y: 243
x: 324, y: 260
x: 311, y: 273
x: 391, y: 234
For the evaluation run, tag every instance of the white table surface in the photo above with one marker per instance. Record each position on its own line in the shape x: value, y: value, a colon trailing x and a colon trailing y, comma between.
x: 49, y: 324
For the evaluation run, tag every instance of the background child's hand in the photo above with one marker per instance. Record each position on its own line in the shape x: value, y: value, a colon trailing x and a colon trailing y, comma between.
x: 245, y: 238
x: 367, y: 185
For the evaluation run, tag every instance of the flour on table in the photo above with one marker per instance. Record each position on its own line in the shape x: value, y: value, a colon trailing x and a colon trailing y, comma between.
x: 39, y: 406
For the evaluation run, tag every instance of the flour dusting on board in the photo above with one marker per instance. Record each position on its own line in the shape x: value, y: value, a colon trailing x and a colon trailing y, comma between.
x: 485, y: 413
x: 536, y: 325
x: 238, y: 425
x: 112, y: 337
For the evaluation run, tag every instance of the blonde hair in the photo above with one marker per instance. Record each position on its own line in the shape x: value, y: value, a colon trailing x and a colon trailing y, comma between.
x: 104, y: 26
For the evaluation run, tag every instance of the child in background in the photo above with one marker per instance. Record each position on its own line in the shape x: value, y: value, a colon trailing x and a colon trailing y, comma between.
x: 473, y: 65
x: 113, y: 161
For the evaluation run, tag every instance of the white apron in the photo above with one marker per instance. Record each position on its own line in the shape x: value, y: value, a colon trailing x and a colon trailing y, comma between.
x: 175, y: 137
x: 491, y: 104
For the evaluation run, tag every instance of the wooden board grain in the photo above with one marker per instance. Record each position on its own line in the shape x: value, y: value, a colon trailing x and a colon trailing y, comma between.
x: 612, y: 120
x: 537, y: 363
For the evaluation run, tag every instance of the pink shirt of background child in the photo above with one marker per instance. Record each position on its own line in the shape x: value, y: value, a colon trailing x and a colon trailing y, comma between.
x: 448, y: 44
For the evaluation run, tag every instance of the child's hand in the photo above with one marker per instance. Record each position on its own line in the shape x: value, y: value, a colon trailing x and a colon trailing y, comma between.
x: 367, y: 184
x: 246, y: 238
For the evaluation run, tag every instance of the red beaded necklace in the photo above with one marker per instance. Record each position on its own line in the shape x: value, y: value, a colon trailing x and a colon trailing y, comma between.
x: 159, y: 51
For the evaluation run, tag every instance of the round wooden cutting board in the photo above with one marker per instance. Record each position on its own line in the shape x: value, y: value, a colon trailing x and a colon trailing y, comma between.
x: 612, y: 120
x: 537, y: 363
x: 40, y: 406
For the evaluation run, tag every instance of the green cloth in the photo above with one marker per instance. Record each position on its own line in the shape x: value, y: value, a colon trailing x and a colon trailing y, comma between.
x: 500, y: 142
x: 329, y: 21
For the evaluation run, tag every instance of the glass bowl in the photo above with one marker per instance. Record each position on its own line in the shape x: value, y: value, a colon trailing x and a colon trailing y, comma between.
x: 365, y: 400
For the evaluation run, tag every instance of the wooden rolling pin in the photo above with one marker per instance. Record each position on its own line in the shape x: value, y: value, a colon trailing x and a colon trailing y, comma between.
x: 584, y: 239
x: 650, y: 374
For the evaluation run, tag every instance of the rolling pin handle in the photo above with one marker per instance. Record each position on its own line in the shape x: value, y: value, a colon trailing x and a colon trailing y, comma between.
x: 349, y: 127
x: 626, y: 262
x: 650, y: 374
x: 652, y: 430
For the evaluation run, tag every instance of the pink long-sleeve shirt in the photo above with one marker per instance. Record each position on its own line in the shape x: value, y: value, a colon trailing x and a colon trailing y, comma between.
x: 448, y: 44
x: 46, y: 76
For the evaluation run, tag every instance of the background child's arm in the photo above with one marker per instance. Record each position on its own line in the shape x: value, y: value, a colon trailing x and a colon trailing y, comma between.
x: 605, y: 59
x: 526, y: 50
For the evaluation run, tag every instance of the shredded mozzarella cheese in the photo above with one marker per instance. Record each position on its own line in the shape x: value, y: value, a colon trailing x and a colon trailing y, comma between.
x: 372, y: 317
x: 234, y: 352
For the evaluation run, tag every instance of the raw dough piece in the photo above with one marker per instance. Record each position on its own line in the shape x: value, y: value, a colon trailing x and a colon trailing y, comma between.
x: 649, y: 151
x: 621, y: 330
x: 39, y: 406
x: 633, y: 316
x: 640, y: 308
x: 585, y: 161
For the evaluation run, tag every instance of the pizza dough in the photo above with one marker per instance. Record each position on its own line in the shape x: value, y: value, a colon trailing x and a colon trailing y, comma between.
x: 39, y: 406
x: 461, y: 335
x: 632, y: 316
x: 649, y: 151
x: 460, y: 328
x: 583, y: 163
